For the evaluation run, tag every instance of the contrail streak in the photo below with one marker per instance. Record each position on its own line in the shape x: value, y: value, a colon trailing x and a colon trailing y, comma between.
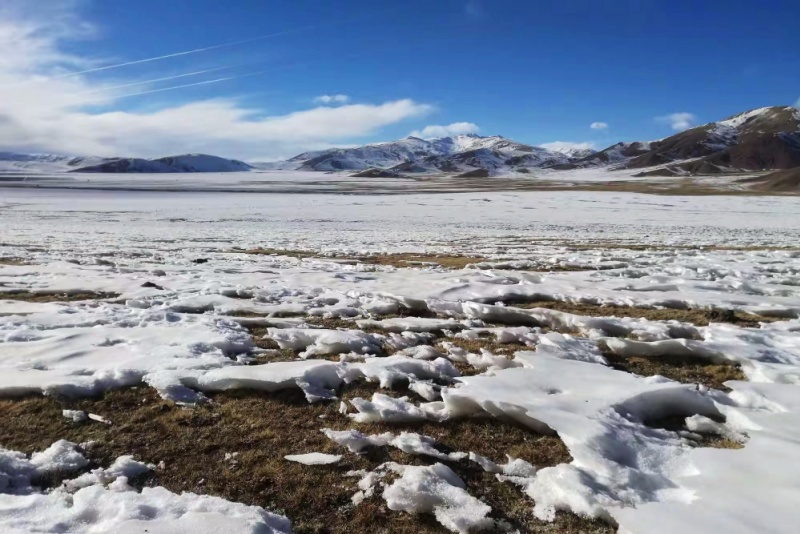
x: 217, y: 80
x: 205, y: 82
x: 177, y: 54
x: 155, y: 80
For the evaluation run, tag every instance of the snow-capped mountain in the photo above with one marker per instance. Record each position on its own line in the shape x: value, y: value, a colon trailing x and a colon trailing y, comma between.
x: 614, y: 155
x: 759, y: 139
x: 182, y: 163
x: 55, y: 163
x: 455, y: 154
x: 574, y: 152
x: 764, y: 138
x: 35, y: 163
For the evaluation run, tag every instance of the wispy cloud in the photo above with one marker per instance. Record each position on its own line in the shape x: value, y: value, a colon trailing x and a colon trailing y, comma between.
x: 797, y: 103
x: 567, y: 147
x: 678, y: 121
x: 332, y: 99
x: 436, y: 130
x: 62, y: 115
x: 598, y: 125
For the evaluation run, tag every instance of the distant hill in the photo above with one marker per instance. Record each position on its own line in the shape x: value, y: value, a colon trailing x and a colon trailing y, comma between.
x: 454, y: 154
x: 182, y: 163
x: 17, y: 162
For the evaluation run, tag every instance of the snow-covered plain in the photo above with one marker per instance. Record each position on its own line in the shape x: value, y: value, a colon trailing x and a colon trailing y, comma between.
x: 183, y: 339
x: 310, y: 182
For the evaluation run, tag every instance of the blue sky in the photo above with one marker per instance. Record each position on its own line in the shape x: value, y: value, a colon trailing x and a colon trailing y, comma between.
x: 536, y: 72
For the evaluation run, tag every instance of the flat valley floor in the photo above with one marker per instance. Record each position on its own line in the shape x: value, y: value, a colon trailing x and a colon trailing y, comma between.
x: 504, y: 361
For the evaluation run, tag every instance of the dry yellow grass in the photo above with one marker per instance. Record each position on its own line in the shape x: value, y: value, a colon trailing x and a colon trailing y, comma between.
x: 35, y: 296
x: 685, y: 369
x: 412, y: 260
x: 13, y: 261
x: 403, y: 260
x: 694, y: 316
x: 275, y: 252
x: 489, y: 343
x: 678, y: 424
x: 475, y: 345
x: 262, y: 429
x: 449, y: 261
x: 594, y: 245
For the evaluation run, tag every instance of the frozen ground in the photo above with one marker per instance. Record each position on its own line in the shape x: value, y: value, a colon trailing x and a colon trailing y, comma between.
x: 180, y: 299
x: 283, y: 181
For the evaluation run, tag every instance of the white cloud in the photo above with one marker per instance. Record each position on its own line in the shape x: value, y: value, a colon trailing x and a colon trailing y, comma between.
x: 43, y: 112
x: 567, y: 147
x: 678, y: 121
x: 456, y: 128
x: 797, y: 103
x: 598, y: 125
x: 332, y: 99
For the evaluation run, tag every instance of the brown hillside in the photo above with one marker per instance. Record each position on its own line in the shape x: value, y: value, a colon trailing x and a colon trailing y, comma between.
x: 786, y: 181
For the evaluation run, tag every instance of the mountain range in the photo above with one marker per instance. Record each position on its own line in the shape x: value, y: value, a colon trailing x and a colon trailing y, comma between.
x: 14, y: 162
x: 756, y: 140
x: 455, y: 154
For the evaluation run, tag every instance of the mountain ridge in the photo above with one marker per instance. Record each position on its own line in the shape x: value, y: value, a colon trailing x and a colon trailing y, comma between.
x: 452, y: 154
x: 184, y: 163
x: 760, y: 139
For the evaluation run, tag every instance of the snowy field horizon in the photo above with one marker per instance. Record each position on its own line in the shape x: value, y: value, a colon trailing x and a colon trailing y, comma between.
x: 345, y: 182
x: 507, y: 361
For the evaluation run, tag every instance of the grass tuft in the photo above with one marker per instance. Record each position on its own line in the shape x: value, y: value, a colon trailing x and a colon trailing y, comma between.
x: 685, y: 369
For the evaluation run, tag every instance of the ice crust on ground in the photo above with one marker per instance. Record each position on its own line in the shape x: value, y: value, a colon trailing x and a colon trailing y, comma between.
x: 438, y: 490
x: 319, y: 342
x: 188, y: 338
x: 314, y: 458
x: 409, y: 442
x: 103, y: 501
